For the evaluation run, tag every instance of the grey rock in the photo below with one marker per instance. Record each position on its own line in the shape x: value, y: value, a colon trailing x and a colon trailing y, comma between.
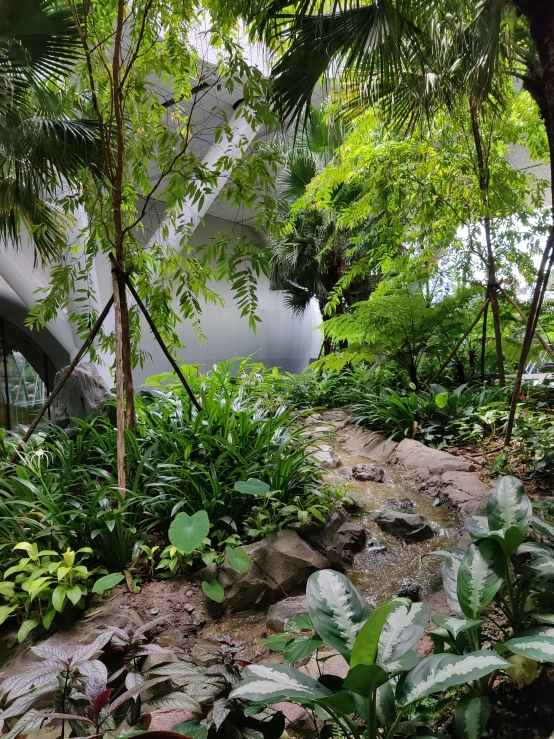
x: 338, y: 539
x: 280, y: 562
x: 84, y: 394
x: 198, y: 618
x: 327, y: 457
x: 370, y: 445
x: 281, y: 612
x: 414, y: 455
x: 335, y: 415
x: 358, y: 503
x: 404, y: 505
x: 436, y: 502
x: 411, y: 591
x: 407, y: 526
x: 463, y: 490
x: 314, y: 418
x: 368, y: 473
x: 189, y: 608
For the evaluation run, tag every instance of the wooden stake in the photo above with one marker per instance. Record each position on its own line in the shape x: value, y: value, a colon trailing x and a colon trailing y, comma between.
x: 539, y: 336
x: 119, y: 388
x: 157, y: 334
x: 439, y: 372
x: 82, y: 351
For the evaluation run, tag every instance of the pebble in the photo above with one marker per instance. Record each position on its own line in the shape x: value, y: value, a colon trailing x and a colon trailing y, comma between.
x: 154, y: 611
x: 436, y: 502
x: 189, y: 593
x: 188, y: 607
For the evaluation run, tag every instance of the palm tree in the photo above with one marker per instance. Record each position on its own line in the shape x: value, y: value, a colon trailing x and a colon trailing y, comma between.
x: 310, y: 255
x: 42, y: 148
x: 382, y: 47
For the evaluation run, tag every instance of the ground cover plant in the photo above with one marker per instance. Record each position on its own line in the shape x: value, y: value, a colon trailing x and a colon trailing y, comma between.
x: 201, y: 485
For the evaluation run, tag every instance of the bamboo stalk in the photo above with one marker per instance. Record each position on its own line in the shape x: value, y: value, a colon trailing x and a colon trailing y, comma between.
x: 49, y: 400
x: 439, y: 372
x: 157, y: 334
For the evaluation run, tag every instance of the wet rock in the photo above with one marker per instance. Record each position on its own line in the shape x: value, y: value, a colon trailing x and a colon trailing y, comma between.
x: 411, y: 591
x: 281, y: 612
x: 407, y: 526
x: 404, y: 505
x: 327, y: 457
x: 370, y: 445
x: 414, y: 455
x: 357, y: 502
x: 84, y: 394
x: 436, y: 502
x: 338, y: 539
x: 376, y: 547
x: 280, y: 562
x: 368, y: 473
x: 463, y: 490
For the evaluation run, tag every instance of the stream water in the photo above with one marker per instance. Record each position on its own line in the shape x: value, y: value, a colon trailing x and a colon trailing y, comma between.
x: 380, y: 574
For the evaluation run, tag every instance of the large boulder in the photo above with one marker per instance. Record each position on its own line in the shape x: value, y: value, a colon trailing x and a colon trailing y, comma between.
x: 280, y: 613
x: 368, y: 473
x: 414, y: 455
x: 407, y: 526
x: 84, y: 394
x: 370, y: 445
x: 281, y: 564
x: 338, y: 538
x: 327, y: 457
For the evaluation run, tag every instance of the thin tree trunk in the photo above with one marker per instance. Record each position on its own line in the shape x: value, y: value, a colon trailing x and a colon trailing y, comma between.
x: 119, y: 390
x: 492, y: 286
x: 541, y: 24
x: 484, y: 342
x: 127, y: 357
x: 539, y: 336
x: 498, y: 339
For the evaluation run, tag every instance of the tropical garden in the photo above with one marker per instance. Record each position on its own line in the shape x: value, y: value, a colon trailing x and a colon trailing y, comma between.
x: 396, y: 158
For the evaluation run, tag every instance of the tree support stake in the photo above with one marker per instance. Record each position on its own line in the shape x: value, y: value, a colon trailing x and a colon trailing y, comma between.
x: 156, y: 333
x: 443, y: 366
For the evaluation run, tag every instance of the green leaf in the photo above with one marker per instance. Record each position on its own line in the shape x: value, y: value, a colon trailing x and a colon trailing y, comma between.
x: 6, y: 612
x: 26, y: 627
x: 364, y: 650
x: 58, y: 597
x: 451, y: 559
x: 441, y: 399
x: 403, y: 629
x: 544, y: 618
x: 441, y: 671
x: 7, y: 588
x: 539, y: 648
x: 544, y: 528
x: 301, y: 647
x: 471, y: 716
x: 508, y: 505
x: 301, y: 621
x: 74, y: 594
x: 365, y: 679
x: 252, y: 487
x: 535, y: 550
x: 479, y: 578
x: 188, y: 532
x: 277, y: 642
x: 273, y: 683
x: 48, y: 618
x: 213, y: 590
x: 336, y: 608
x: 386, y: 704
x: 238, y: 559
x: 107, y: 582
x: 455, y: 626
x: 341, y: 702
x: 541, y: 568
x: 194, y: 729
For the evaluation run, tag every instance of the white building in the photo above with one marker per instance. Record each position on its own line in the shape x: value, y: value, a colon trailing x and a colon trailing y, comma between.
x: 30, y: 359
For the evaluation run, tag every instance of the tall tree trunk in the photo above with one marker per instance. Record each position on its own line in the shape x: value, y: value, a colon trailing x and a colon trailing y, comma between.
x: 119, y: 231
x: 119, y: 389
x: 541, y: 22
x: 492, y: 286
x: 484, y: 342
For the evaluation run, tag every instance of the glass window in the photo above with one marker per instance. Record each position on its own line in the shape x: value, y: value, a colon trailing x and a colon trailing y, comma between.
x: 25, y: 377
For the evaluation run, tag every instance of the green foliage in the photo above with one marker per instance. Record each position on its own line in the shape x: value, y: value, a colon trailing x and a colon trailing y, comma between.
x: 385, y: 681
x: 45, y: 583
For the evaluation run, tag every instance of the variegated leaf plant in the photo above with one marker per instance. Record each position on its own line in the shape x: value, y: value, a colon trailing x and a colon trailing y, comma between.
x: 385, y: 676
